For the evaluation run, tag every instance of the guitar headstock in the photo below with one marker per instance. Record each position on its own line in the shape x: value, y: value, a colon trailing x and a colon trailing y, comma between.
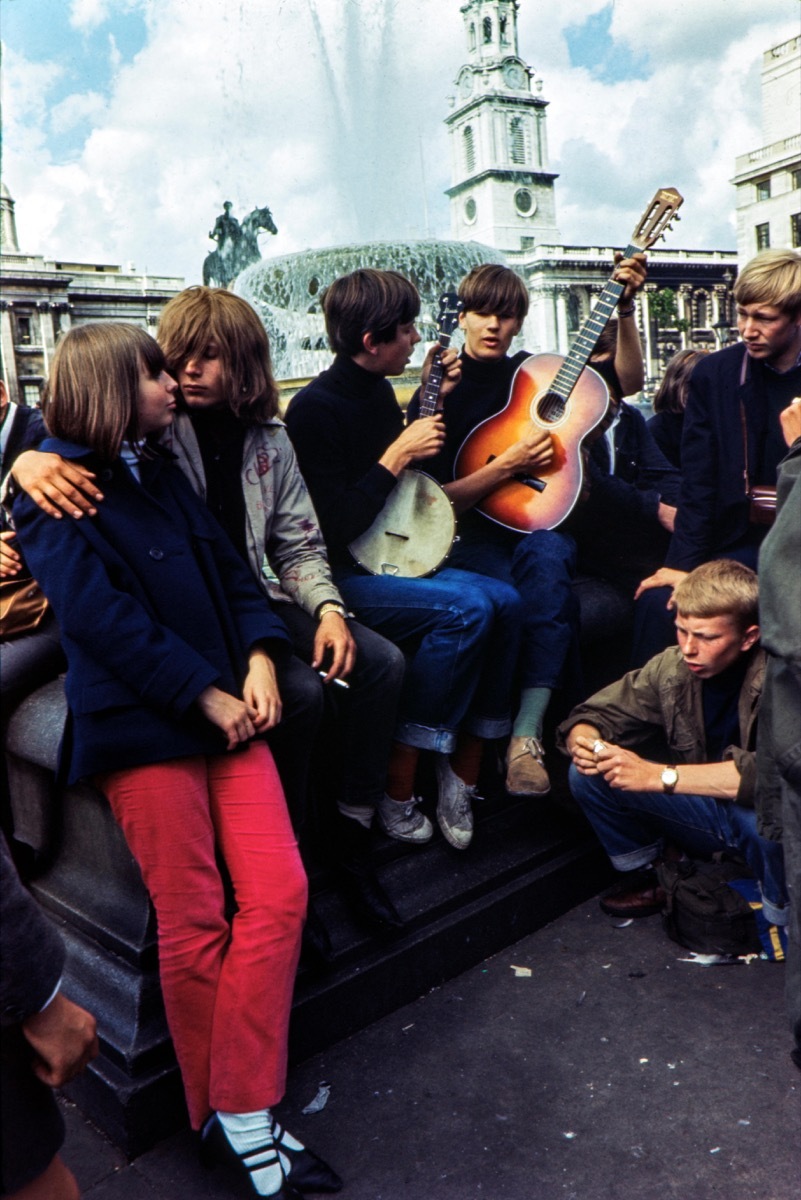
x: 657, y: 218
x: 448, y: 316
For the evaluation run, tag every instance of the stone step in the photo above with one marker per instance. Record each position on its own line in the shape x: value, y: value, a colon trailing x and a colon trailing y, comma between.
x: 530, y: 861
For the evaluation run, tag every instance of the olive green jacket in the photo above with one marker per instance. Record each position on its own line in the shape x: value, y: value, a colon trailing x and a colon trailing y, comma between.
x: 664, y: 695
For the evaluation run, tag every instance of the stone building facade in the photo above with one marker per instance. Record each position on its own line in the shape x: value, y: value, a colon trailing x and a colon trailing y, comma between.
x: 768, y: 179
x: 39, y: 298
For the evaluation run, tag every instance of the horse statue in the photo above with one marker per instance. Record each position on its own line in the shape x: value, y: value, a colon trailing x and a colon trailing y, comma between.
x: 237, y: 246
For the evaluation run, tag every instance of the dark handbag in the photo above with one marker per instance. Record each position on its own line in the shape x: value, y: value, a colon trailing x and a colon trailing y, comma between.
x: 23, y: 605
x: 762, y: 510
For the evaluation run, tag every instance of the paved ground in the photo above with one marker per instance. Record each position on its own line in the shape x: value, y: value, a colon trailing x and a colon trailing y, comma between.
x: 613, y: 1072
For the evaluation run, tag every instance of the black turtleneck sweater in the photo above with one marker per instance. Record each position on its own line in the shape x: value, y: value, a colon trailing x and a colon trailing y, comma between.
x: 340, y: 424
x: 221, y: 437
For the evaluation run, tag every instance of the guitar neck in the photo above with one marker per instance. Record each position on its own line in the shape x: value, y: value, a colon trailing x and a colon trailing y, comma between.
x: 430, y: 393
x: 591, y: 330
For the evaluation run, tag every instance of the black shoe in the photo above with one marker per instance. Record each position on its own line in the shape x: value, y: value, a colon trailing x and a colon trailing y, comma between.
x: 368, y: 900
x: 316, y: 943
x: 215, y: 1148
x: 307, y: 1171
x: 358, y: 881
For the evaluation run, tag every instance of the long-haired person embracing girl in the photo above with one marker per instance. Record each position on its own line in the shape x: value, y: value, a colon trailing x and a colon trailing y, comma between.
x: 170, y: 648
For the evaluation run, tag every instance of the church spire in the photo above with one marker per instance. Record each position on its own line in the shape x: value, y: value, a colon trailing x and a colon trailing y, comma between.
x: 502, y: 190
x: 491, y: 29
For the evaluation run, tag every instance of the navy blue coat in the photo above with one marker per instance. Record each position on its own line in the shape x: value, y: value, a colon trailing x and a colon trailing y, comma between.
x: 617, y: 530
x: 713, y: 514
x: 154, y: 605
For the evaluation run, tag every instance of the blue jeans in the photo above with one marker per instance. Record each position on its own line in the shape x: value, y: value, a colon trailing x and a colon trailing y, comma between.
x: 461, y: 635
x: 632, y: 826
x: 540, y: 566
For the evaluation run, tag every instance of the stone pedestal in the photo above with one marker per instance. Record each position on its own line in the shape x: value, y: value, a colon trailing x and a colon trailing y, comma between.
x: 90, y: 883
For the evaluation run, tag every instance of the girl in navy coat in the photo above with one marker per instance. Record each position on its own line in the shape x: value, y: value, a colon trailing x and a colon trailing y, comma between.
x: 170, y: 648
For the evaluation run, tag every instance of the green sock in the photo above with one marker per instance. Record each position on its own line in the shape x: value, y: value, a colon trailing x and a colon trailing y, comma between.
x: 531, y: 714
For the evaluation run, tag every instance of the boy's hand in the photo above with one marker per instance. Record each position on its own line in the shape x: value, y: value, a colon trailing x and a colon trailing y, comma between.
x: 422, y: 439
x: 451, y: 369
x: 631, y: 272
x: 10, y: 559
x: 57, y: 486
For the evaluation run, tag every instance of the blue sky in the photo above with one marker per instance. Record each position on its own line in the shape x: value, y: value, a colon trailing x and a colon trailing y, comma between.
x: 128, y: 122
x: 591, y: 45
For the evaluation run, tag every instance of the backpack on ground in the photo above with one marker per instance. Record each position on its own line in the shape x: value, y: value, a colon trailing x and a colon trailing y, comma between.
x: 703, y: 912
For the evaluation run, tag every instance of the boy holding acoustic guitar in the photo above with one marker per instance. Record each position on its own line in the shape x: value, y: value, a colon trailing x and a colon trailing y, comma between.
x: 476, y: 470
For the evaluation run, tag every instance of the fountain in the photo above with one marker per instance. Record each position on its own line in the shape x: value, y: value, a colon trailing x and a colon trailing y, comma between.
x: 286, y: 292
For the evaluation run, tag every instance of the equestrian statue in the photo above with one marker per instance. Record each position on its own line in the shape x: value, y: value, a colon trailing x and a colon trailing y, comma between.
x: 237, y: 245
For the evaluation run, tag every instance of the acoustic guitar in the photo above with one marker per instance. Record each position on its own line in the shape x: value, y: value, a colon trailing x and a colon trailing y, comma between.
x: 413, y: 534
x: 562, y: 396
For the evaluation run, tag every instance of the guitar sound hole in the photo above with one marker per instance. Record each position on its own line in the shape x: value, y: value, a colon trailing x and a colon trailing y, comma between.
x: 551, y: 407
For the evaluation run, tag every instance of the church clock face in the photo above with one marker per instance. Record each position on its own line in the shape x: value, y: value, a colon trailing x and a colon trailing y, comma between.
x: 525, y: 203
x: 514, y: 76
x: 465, y: 83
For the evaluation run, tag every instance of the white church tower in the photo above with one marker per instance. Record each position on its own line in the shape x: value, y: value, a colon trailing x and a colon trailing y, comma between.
x: 503, y: 191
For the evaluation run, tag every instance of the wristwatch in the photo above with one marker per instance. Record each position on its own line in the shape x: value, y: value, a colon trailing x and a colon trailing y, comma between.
x: 669, y: 777
x: 332, y: 606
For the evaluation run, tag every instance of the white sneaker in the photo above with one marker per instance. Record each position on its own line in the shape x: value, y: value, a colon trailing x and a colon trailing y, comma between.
x: 454, y: 806
x: 403, y: 821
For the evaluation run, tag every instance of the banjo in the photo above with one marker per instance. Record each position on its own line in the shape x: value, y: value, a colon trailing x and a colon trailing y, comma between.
x: 413, y: 534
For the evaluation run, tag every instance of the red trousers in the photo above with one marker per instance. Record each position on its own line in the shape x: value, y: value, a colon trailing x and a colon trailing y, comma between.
x: 227, y: 986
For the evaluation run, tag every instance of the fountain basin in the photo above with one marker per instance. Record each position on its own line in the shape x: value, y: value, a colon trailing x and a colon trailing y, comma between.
x: 287, y: 292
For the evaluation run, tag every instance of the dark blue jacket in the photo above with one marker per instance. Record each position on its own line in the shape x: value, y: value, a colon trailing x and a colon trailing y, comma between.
x: 154, y: 605
x: 617, y: 529
x: 713, y: 514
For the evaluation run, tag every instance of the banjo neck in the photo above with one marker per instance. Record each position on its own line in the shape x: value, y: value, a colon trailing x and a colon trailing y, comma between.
x: 447, y: 321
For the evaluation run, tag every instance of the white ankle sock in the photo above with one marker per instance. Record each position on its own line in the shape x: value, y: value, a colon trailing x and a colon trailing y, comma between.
x: 285, y: 1141
x: 251, y: 1135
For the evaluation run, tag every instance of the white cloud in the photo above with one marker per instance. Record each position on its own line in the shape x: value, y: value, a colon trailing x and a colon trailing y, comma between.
x: 331, y: 112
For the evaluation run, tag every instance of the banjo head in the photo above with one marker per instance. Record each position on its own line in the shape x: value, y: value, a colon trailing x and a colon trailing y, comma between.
x: 413, y: 534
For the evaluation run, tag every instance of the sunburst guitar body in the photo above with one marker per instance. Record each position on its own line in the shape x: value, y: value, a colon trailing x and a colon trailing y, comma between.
x: 562, y: 396
x: 543, y: 500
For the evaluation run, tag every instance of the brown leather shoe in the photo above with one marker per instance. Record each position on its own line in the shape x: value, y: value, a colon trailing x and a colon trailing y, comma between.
x: 637, y: 895
x: 525, y: 768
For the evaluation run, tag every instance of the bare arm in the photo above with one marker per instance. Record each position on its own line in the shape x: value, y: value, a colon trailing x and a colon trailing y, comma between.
x: 628, y: 354
x: 626, y: 770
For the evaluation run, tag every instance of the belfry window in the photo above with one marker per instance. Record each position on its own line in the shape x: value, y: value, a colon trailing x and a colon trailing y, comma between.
x: 487, y: 24
x: 469, y: 149
x: 517, y: 140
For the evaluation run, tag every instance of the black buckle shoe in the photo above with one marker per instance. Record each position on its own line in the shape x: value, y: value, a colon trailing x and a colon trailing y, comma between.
x: 307, y: 1171
x: 216, y: 1149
